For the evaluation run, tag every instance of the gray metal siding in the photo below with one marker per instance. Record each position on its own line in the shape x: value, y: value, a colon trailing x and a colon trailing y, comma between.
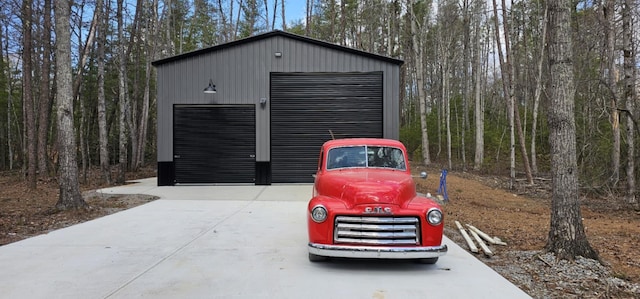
x: 241, y: 74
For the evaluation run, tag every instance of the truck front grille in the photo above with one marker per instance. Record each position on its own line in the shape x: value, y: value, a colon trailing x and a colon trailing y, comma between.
x: 369, y: 230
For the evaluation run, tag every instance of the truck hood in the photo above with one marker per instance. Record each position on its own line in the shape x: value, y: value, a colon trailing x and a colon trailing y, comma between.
x: 362, y: 186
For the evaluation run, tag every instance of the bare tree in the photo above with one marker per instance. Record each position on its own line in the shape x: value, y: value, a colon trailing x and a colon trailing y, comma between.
x: 234, y: 35
x: 4, y: 43
x: 507, y: 93
x: 536, y: 97
x: 102, y: 106
x: 309, y: 16
x: 27, y: 96
x: 275, y: 10
x: 630, y: 100
x: 466, y: 92
x: 84, y: 54
x: 70, y: 197
x: 507, y: 70
x: 144, y: 117
x: 479, y: 103
x: 268, y: 25
x: 419, y: 69
x: 567, y: 238
x: 45, y: 94
x: 134, y: 51
x: 122, y: 97
x: 608, y: 11
x: 284, y: 21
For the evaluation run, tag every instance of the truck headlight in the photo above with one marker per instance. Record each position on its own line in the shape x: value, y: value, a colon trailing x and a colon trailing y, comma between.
x: 434, y: 216
x: 319, y: 213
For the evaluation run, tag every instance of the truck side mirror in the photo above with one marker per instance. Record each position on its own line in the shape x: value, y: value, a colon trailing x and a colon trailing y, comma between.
x: 423, y: 175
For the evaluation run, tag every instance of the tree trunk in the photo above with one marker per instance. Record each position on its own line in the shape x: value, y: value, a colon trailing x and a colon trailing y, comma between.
x: 144, y: 117
x: 284, y: 21
x: 608, y: 11
x: 630, y: 100
x: 234, y: 35
x: 45, y: 95
x: 507, y: 93
x: 82, y: 143
x: 5, y: 43
x: 507, y: 70
x: 122, y: 137
x: 27, y: 96
x: 514, y: 104
x: 479, y: 103
x: 309, y: 15
x: 266, y: 14
x: 446, y: 101
x: 171, y: 47
x: 102, y: 106
x: 343, y: 24
x: 567, y: 238
x: 536, y: 99
x: 132, y: 107
x: 84, y: 54
x: 417, y: 55
x: 466, y: 98
x: 275, y: 9
x: 70, y: 197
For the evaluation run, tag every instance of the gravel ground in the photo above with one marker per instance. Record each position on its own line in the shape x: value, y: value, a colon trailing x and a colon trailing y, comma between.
x: 541, y: 275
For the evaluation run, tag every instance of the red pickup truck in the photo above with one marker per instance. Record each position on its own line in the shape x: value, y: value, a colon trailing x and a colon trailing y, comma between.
x: 365, y: 205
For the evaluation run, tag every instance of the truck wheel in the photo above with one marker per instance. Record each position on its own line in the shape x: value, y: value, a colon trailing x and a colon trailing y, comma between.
x: 316, y: 258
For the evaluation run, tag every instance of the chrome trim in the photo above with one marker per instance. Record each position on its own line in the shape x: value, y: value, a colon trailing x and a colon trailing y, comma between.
x: 369, y: 230
x: 349, y: 251
x: 379, y: 235
x: 377, y: 241
x: 375, y: 227
x: 383, y: 220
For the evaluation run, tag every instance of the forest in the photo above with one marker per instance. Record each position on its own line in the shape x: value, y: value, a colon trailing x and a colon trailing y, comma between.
x: 477, y: 79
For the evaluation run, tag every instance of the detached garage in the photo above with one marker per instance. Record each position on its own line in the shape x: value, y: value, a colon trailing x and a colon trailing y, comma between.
x: 256, y: 110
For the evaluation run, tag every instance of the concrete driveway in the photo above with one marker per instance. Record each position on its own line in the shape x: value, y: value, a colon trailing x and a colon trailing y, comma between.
x: 221, y: 242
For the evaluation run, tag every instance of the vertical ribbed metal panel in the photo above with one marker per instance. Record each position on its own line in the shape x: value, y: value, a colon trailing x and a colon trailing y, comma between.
x: 214, y: 144
x: 308, y: 108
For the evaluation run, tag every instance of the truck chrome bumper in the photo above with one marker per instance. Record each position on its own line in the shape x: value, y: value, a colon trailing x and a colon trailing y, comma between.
x: 349, y: 251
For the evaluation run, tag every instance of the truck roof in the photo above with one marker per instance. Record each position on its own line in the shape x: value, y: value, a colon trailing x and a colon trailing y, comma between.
x: 364, y: 141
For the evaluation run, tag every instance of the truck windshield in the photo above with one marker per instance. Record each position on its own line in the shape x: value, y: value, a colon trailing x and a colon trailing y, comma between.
x: 366, y: 156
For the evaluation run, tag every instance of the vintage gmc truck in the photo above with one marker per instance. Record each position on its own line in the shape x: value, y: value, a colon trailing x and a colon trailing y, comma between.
x: 365, y: 205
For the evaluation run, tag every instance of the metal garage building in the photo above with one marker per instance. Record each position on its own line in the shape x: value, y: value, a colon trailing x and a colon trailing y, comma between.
x: 278, y: 97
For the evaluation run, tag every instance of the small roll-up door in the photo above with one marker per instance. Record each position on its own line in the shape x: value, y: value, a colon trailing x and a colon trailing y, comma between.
x: 214, y: 144
x: 308, y: 109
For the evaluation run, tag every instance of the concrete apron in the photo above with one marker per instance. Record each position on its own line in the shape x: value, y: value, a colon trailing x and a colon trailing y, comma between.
x: 222, y: 242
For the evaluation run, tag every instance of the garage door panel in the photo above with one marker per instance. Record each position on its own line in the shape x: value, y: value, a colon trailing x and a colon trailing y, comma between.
x: 339, y: 100
x: 323, y: 115
x: 306, y: 107
x: 341, y: 128
x: 214, y: 144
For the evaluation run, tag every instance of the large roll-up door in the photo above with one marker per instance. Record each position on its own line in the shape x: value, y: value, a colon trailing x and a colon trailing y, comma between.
x: 214, y: 144
x: 307, y: 109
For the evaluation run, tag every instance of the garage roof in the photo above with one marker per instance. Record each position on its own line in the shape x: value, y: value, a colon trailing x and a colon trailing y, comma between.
x: 273, y: 34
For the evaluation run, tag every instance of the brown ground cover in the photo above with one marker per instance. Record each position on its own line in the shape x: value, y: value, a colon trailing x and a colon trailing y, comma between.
x: 519, y: 217
x: 25, y: 213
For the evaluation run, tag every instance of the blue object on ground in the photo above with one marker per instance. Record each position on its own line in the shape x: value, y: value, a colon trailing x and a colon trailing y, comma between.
x: 442, y: 189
